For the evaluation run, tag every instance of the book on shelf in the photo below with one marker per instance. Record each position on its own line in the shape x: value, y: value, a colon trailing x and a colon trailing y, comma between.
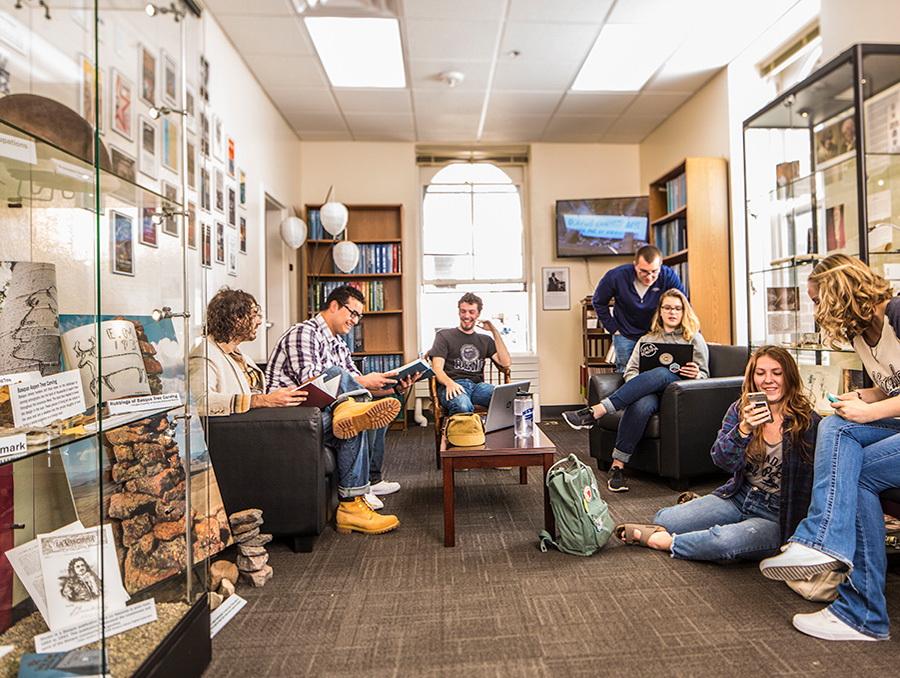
x: 372, y: 290
x: 671, y: 236
x: 376, y: 258
x: 676, y: 193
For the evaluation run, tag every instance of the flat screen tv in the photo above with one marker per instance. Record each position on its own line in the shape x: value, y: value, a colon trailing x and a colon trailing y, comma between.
x: 602, y: 226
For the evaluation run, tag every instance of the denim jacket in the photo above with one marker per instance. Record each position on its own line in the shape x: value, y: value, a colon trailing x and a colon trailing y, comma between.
x: 796, y: 482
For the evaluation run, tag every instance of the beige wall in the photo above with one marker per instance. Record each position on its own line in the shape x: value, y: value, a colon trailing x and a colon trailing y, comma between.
x: 844, y: 23
x: 560, y: 172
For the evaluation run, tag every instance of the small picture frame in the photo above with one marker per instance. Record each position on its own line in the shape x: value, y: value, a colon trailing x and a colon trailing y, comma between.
x: 231, y: 166
x: 190, y: 108
x: 122, y: 241
x: 149, y: 233
x: 205, y: 244
x: 122, y: 105
x: 191, y: 221
x: 220, y: 242
x: 123, y: 165
x: 204, y: 190
x: 170, y: 145
x: 242, y: 232
x: 220, y: 191
x: 232, y: 207
x: 232, y: 251
x: 204, y: 79
x: 555, y: 288
x: 147, y: 69
x: 147, y: 142
x: 242, y: 189
x: 191, y: 162
x: 170, y: 223
x: 218, y: 139
x: 170, y: 78
x: 204, y: 134
x: 88, y: 94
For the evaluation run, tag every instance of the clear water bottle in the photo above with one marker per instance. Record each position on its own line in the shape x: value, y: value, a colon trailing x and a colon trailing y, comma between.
x: 523, y: 408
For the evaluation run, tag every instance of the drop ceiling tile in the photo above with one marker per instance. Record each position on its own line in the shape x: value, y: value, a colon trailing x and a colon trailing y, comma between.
x: 256, y: 8
x: 460, y: 40
x: 267, y: 35
x: 632, y: 129
x: 595, y: 103
x: 669, y: 81
x: 559, y: 10
x: 451, y: 101
x: 649, y: 104
x: 548, y: 76
x: 441, y: 9
x: 573, y: 127
x: 513, y: 127
x: 315, y: 135
x: 388, y: 101
x: 447, y: 127
x: 381, y: 127
x: 317, y: 122
x: 291, y: 100
x: 530, y: 103
x: 543, y: 42
x: 284, y: 71
x: 424, y: 74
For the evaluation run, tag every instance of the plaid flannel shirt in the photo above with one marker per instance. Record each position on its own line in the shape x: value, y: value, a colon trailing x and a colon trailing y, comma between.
x: 304, y: 352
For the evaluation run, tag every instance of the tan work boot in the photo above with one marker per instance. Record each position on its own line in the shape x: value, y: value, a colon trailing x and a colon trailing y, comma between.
x: 356, y: 515
x: 351, y: 417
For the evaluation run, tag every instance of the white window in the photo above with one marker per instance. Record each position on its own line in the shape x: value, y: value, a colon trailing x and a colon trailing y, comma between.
x: 473, y: 241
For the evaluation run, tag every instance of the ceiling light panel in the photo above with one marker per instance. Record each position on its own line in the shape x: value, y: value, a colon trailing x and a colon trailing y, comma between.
x: 359, y: 52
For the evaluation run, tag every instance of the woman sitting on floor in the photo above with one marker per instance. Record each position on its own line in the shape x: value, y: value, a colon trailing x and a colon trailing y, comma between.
x: 674, y: 323
x: 858, y: 456
x: 771, y: 459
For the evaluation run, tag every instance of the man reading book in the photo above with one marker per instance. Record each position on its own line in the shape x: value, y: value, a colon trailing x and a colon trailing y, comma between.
x: 458, y: 355
x: 355, y: 428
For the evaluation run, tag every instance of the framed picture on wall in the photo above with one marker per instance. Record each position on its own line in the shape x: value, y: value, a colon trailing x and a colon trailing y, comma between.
x: 220, y: 242
x: 149, y: 233
x: 122, y: 105
x: 190, y: 108
x: 123, y: 165
x: 170, y: 78
x: 232, y: 207
x: 204, y: 79
x: 220, y: 191
x: 218, y: 138
x: 191, y: 221
x: 204, y: 134
x: 88, y: 94
x: 242, y: 232
x: 122, y: 230
x: 242, y: 189
x: 205, y: 244
x: 231, y: 157
x: 556, y: 288
x: 191, y: 162
x: 147, y: 143
x: 147, y: 69
x: 170, y: 145
x: 232, y: 254
x: 204, y: 189
x: 170, y: 223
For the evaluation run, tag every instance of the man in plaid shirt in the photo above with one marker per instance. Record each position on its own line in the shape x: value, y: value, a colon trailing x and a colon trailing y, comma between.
x: 355, y: 428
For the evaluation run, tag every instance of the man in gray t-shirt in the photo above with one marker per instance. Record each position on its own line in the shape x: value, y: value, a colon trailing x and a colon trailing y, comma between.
x: 458, y: 356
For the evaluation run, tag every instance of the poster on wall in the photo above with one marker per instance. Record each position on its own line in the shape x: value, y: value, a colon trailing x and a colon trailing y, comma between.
x: 556, y: 288
x: 147, y: 69
x: 231, y: 157
x: 220, y: 191
x: 123, y: 165
x: 204, y: 79
x: 170, y: 78
x: 192, y: 225
x: 88, y: 94
x: 190, y: 108
x: 218, y: 138
x: 204, y: 134
x: 220, y: 242
x: 242, y: 188
x: 122, y: 111
x: 149, y: 228
x: 170, y: 223
x: 148, y: 152
x: 122, y: 230
x: 205, y: 245
x: 204, y: 189
x: 191, y: 162
x: 243, y: 235
x: 232, y: 207
x: 232, y: 254
x: 170, y: 145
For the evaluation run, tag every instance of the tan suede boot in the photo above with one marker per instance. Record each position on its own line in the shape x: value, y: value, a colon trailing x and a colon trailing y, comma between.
x: 351, y: 417
x: 356, y: 515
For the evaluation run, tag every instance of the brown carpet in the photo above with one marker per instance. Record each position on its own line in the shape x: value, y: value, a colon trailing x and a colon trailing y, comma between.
x: 401, y: 604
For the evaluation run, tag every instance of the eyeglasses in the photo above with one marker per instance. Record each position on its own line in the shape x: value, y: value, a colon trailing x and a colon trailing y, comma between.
x: 354, y: 315
x: 671, y: 308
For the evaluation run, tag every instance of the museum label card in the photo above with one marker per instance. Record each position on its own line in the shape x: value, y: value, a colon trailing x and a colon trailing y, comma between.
x: 224, y: 613
x: 37, y: 403
x: 78, y: 635
x: 16, y: 148
x: 154, y: 402
x: 11, y: 446
x: 19, y: 378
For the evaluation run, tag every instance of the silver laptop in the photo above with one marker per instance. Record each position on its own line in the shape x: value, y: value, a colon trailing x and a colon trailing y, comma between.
x: 500, y: 411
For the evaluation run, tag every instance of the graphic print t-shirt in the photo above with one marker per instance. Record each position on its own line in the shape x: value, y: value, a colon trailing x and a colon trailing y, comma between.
x: 463, y: 354
x: 767, y: 476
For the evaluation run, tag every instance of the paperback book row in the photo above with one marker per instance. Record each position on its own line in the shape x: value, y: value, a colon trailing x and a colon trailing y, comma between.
x: 671, y: 236
x: 676, y: 193
x: 378, y: 363
x: 355, y: 339
x: 314, y: 230
x: 373, y: 291
x: 376, y: 258
x: 682, y: 271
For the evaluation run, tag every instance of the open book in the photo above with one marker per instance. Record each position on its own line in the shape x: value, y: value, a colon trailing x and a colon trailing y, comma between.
x: 319, y: 392
x: 409, y: 369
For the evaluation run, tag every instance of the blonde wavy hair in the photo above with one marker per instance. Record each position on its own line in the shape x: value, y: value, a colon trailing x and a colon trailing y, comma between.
x: 795, y: 405
x: 690, y: 323
x: 849, y: 292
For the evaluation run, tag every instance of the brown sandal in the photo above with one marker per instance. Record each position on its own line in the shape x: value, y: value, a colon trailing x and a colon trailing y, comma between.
x: 626, y: 532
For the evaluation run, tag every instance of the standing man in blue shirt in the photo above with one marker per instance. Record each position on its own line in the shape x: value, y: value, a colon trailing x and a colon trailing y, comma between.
x: 636, y: 289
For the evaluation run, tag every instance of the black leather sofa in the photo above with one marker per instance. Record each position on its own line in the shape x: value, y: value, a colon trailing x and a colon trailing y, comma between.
x: 678, y: 438
x: 274, y: 459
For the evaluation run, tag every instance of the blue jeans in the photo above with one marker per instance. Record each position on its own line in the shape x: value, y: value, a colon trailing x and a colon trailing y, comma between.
x: 356, y: 456
x: 854, y: 463
x: 624, y: 348
x: 639, y: 397
x: 743, y: 526
x: 473, y: 394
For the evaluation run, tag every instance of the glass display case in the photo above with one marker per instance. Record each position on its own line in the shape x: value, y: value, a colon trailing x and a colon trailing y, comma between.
x: 109, y: 513
x: 822, y: 173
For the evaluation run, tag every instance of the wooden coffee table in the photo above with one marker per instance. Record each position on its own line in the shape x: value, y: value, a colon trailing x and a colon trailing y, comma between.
x: 501, y: 448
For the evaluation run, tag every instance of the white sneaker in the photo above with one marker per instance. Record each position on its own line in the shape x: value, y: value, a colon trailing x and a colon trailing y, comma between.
x: 384, y: 487
x: 797, y: 561
x: 374, y: 502
x: 823, y: 624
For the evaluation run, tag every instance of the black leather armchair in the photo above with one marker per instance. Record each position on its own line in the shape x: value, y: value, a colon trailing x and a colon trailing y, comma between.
x: 678, y: 438
x: 274, y: 459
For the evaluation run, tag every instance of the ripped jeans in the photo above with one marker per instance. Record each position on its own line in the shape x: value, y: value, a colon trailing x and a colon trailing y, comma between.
x: 743, y: 526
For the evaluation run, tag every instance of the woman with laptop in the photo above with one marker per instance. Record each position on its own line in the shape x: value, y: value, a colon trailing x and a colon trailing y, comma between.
x: 767, y: 444
x: 857, y: 456
x: 654, y: 364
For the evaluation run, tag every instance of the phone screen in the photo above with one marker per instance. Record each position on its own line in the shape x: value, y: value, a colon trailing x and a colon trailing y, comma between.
x: 759, y: 400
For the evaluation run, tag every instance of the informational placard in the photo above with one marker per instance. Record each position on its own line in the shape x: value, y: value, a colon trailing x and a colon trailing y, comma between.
x: 18, y: 378
x: 155, y: 402
x: 224, y: 613
x: 16, y: 148
x: 10, y: 446
x: 37, y: 403
x: 78, y: 635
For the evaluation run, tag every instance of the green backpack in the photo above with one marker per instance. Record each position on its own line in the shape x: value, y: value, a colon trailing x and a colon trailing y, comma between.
x: 582, y: 517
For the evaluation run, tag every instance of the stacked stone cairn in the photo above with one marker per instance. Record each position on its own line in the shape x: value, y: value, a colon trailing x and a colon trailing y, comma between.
x: 253, y: 558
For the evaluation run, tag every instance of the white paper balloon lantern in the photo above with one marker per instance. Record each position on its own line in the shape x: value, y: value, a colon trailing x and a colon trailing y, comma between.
x: 334, y: 217
x: 346, y: 255
x: 293, y: 232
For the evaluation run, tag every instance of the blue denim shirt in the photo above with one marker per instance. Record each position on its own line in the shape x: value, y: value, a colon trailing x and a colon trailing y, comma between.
x: 796, y: 483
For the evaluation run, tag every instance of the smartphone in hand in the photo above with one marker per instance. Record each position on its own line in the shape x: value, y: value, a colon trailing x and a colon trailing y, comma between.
x: 758, y: 399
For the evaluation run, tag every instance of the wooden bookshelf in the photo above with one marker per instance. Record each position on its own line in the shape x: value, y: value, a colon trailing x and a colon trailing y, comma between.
x: 596, y: 343
x: 378, y: 231
x: 689, y: 223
